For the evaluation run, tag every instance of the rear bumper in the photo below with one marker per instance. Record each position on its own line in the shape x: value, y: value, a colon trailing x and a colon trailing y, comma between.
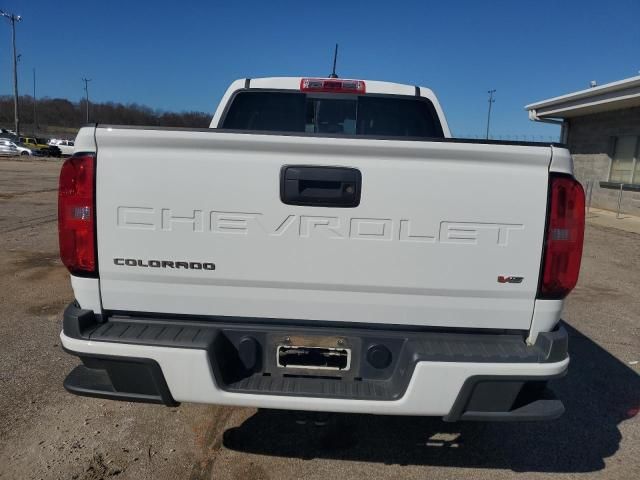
x: 459, y: 376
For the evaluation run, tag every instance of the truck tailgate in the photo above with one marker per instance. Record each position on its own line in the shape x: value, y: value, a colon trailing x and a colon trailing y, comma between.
x: 191, y: 222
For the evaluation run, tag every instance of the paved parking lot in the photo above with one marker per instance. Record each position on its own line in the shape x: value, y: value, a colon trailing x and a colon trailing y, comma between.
x: 47, y: 433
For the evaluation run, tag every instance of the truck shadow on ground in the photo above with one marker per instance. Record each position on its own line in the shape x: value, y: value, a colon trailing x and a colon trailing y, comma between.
x: 599, y: 393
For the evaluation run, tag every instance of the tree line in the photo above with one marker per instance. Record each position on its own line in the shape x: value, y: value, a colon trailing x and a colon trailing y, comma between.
x: 60, y: 112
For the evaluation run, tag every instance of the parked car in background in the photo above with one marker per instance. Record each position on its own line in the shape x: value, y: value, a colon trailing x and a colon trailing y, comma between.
x: 7, y: 148
x: 65, y: 146
x: 42, y: 142
x: 22, y: 149
x: 52, y: 151
x: 33, y: 143
x: 30, y: 141
x: 40, y: 147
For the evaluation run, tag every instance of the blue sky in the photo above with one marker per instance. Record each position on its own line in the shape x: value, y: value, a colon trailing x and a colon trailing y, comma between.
x: 181, y: 56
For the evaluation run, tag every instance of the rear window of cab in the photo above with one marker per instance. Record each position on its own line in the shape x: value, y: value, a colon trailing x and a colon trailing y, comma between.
x: 332, y: 114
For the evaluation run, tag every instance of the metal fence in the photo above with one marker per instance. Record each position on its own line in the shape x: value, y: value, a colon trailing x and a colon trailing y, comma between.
x: 588, y: 191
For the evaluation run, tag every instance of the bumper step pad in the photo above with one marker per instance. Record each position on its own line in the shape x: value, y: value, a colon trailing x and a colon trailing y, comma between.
x: 119, y: 378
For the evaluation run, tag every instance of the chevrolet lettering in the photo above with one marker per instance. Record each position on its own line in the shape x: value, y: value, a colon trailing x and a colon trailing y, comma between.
x: 307, y: 226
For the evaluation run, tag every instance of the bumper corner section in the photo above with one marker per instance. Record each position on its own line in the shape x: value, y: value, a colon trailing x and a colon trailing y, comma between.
x: 536, y: 411
x: 119, y: 378
x: 506, y: 399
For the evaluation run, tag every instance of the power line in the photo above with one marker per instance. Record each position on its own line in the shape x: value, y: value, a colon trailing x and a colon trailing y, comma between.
x: 13, y: 19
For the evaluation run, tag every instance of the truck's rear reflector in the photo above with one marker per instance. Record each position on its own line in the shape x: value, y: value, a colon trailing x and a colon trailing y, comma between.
x: 564, y: 237
x: 335, y: 85
x: 76, y: 215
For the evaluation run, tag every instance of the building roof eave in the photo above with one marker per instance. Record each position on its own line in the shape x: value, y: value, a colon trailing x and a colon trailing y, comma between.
x: 613, y: 96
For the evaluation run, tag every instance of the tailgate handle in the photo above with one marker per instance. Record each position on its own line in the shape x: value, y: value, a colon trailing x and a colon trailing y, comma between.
x: 320, y: 186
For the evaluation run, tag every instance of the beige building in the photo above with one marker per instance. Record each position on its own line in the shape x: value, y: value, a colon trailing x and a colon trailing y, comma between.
x: 601, y: 126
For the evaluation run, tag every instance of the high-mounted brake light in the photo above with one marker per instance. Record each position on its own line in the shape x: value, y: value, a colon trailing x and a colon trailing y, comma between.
x: 77, y: 216
x: 335, y: 85
x: 563, y: 238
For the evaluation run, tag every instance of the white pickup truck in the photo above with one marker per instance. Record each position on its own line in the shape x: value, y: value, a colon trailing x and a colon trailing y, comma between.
x: 324, y: 246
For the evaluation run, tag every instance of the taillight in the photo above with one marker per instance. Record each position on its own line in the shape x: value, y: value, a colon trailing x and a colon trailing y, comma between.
x: 77, y: 216
x: 564, y: 237
x: 335, y: 85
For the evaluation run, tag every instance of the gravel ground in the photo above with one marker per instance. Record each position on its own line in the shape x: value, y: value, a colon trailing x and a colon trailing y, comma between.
x: 47, y: 433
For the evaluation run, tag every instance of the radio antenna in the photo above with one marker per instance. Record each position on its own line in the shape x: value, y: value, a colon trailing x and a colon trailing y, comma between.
x: 335, y: 59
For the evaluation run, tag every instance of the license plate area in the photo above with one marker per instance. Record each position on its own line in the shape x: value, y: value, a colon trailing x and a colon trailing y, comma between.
x: 313, y: 357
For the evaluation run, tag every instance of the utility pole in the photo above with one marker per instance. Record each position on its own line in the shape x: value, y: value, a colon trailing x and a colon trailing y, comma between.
x: 35, y: 105
x: 86, y: 91
x: 13, y: 19
x: 491, y: 100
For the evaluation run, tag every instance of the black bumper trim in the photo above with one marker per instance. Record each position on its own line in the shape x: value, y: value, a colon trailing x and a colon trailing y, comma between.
x: 119, y: 378
x: 536, y: 411
x: 506, y: 398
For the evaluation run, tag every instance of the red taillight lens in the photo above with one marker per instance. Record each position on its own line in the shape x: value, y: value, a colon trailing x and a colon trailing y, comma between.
x: 564, y: 238
x: 76, y: 215
x: 335, y: 85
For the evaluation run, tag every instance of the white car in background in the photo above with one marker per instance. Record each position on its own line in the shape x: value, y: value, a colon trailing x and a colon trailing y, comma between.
x: 7, y: 148
x: 66, y: 146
